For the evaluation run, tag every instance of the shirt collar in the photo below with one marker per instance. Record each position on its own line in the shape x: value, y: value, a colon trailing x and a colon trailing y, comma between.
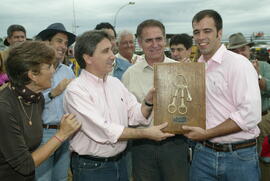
x: 118, y: 55
x: 92, y: 77
x: 217, y: 57
x: 146, y: 65
x: 119, y: 65
x: 58, y: 67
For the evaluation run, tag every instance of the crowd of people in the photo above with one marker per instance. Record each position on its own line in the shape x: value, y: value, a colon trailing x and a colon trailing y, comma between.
x: 89, y: 115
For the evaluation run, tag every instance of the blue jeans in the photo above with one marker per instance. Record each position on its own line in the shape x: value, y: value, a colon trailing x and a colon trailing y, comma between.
x: 238, y: 165
x: 85, y: 169
x: 55, y: 168
x: 128, y: 155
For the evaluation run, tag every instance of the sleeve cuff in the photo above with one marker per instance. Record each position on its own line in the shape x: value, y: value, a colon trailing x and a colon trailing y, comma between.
x: 236, y: 117
x: 116, y: 131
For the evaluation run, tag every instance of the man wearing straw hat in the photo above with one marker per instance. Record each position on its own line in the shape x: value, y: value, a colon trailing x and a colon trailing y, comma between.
x: 239, y: 44
x: 56, y: 167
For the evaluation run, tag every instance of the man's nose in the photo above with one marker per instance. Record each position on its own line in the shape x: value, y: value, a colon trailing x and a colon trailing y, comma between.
x: 155, y: 43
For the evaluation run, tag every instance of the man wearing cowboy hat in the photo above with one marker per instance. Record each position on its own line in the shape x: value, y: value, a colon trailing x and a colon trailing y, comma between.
x: 239, y: 44
x: 56, y: 167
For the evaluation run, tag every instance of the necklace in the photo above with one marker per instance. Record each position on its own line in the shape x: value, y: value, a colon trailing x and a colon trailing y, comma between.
x: 29, y: 118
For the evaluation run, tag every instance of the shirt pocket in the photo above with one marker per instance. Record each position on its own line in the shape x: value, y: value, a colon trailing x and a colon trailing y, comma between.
x: 217, y: 84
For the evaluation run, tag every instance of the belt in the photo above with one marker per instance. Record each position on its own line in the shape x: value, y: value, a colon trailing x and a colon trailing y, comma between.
x: 264, y: 113
x: 48, y: 126
x: 227, y: 147
x: 138, y: 142
x: 100, y: 159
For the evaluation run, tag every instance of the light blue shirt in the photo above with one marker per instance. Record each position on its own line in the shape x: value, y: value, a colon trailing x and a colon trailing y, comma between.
x: 120, y: 67
x: 264, y: 68
x: 53, y: 109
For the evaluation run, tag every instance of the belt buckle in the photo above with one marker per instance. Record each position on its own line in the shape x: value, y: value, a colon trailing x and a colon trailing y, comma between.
x: 47, y: 126
x: 225, y: 148
x: 220, y: 147
x: 204, y: 143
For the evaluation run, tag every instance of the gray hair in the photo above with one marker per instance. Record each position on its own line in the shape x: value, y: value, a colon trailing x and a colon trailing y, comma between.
x: 124, y: 33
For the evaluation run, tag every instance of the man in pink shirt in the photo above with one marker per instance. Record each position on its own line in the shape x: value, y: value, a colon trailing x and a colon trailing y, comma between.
x: 227, y: 147
x: 105, y: 108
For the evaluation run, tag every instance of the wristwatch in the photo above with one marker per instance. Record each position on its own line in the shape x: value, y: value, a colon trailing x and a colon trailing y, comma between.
x: 260, y: 77
x: 50, y: 95
x: 147, y: 104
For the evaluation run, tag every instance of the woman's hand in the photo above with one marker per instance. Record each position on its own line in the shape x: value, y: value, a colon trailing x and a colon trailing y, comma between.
x: 68, y: 126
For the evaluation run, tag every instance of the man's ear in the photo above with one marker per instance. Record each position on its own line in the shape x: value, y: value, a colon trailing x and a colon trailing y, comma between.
x: 32, y: 75
x: 88, y: 59
x: 8, y: 40
x: 140, y: 42
x: 219, y: 33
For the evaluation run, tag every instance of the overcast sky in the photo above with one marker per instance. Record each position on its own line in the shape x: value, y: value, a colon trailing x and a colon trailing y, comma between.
x: 245, y: 16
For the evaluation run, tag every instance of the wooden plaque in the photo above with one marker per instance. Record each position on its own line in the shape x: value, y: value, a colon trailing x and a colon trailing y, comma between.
x: 180, y: 95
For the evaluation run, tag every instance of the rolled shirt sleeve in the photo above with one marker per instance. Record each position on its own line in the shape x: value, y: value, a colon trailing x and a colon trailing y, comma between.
x: 245, y: 93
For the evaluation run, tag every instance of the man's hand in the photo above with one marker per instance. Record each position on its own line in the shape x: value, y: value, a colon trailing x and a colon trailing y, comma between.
x: 60, y: 87
x: 147, y: 104
x: 149, y: 97
x: 155, y: 133
x: 195, y: 133
x: 262, y: 81
x: 255, y: 63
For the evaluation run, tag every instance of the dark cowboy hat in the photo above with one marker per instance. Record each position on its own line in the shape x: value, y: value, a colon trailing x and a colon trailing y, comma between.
x: 56, y: 28
x: 238, y: 40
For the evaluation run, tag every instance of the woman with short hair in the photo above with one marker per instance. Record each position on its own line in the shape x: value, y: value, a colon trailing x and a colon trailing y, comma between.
x: 30, y: 69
